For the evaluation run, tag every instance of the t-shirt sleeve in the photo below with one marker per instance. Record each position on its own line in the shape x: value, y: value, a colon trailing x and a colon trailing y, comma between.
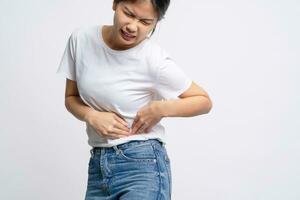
x: 171, y: 80
x: 67, y: 66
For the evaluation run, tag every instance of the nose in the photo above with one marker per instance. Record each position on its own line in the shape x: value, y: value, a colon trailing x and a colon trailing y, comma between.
x: 131, y: 27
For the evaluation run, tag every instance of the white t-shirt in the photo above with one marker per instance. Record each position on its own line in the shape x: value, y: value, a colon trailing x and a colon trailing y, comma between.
x: 122, y: 81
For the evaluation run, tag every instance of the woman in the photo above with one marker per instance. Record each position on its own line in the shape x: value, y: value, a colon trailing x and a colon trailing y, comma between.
x: 116, y: 79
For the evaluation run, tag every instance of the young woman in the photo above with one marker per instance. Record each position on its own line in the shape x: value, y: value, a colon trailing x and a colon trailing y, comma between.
x: 116, y: 80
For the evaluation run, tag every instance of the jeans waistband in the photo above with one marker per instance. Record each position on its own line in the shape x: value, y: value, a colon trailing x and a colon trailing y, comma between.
x: 127, y: 144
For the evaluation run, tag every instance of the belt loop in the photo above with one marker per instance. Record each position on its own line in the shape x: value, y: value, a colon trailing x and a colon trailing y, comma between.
x: 92, y: 152
x: 160, y: 142
x: 116, y: 149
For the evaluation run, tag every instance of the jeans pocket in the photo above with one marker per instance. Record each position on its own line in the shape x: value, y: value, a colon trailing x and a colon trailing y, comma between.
x: 138, y: 153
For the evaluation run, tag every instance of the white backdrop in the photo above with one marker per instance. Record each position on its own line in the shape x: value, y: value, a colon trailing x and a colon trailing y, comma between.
x: 244, y: 53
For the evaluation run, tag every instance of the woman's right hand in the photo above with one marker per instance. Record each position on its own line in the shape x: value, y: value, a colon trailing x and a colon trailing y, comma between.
x: 108, y: 124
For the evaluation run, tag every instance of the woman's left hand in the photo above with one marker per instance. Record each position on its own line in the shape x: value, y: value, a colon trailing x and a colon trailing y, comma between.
x: 147, y: 117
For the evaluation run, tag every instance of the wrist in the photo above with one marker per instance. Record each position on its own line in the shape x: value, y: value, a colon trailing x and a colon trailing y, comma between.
x: 89, y: 115
x: 161, y: 108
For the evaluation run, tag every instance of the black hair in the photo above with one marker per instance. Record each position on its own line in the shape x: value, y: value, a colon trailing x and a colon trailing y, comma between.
x: 160, y: 6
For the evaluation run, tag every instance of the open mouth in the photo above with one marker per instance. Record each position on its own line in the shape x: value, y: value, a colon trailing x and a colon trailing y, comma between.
x: 127, y: 36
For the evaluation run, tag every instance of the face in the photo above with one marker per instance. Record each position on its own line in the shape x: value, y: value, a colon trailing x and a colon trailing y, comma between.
x: 132, y: 23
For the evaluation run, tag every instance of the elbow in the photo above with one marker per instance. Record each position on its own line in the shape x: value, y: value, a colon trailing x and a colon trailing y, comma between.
x: 205, y: 105
x: 67, y: 104
x: 209, y: 105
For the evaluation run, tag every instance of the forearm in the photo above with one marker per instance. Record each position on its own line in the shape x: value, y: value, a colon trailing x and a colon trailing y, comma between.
x: 185, y: 107
x: 78, y: 108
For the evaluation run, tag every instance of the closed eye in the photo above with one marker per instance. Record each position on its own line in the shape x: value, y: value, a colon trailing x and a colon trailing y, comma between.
x: 145, y: 23
x: 128, y: 14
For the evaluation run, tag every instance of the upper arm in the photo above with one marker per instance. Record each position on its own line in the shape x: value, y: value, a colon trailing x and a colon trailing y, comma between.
x: 194, y: 90
x: 71, y: 88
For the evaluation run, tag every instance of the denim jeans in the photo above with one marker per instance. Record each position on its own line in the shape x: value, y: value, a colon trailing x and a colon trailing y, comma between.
x: 136, y: 170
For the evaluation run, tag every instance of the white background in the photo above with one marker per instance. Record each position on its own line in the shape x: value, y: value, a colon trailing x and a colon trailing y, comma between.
x: 245, y: 54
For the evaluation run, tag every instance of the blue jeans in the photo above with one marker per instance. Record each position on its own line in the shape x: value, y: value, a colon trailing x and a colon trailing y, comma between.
x: 136, y: 170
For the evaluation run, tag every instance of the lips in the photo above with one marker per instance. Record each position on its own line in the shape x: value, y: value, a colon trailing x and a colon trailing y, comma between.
x: 127, y: 34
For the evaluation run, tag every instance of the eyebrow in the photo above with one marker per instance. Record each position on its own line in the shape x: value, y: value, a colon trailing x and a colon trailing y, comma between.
x: 135, y: 15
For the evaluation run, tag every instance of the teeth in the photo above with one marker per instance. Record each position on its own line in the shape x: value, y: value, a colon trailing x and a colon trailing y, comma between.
x: 127, y: 34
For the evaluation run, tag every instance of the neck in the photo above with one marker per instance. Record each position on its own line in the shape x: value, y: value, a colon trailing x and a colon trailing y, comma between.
x: 109, y: 37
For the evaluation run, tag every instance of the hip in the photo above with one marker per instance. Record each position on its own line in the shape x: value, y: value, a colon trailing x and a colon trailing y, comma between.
x: 139, y: 165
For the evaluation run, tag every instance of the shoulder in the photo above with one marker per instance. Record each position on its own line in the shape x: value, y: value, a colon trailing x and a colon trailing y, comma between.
x: 156, y: 49
x: 82, y: 33
x: 156, y: 54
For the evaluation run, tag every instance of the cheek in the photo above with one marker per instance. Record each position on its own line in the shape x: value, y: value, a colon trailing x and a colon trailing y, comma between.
x: 148, y: 32
x: 145, y: 30
x: 142, y: 34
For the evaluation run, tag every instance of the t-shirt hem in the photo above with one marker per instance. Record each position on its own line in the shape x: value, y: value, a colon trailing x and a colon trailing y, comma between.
x: 126, y: 141
x: 66, y: 75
